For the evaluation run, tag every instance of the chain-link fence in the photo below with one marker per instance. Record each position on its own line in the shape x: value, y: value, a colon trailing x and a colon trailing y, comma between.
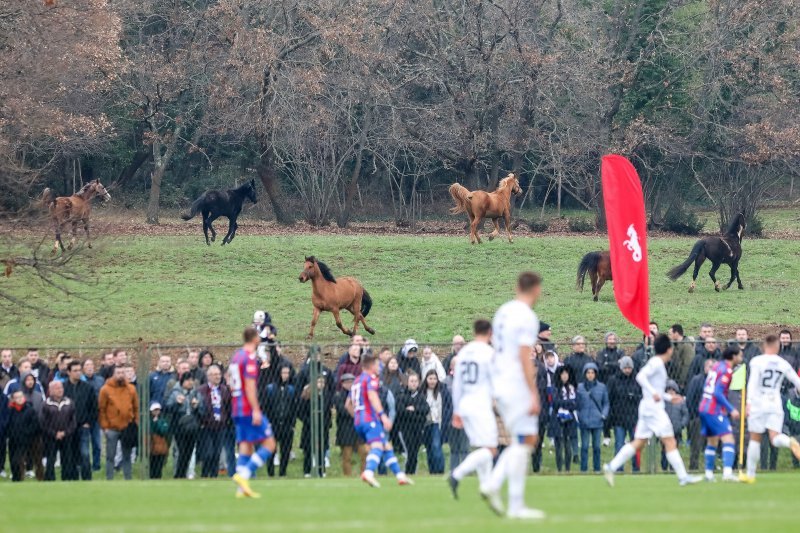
x: 163, y: 411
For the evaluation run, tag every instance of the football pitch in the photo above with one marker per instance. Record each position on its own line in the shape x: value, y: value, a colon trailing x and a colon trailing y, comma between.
x: 572, y: 503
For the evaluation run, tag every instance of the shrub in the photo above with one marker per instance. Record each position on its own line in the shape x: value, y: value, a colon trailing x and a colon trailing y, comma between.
x: 581, y: 225
x: 682, y: 222
x: 538, y: 225
x: 755, y: 227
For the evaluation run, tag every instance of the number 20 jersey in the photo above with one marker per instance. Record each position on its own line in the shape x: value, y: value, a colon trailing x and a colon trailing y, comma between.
x: 472, y: 380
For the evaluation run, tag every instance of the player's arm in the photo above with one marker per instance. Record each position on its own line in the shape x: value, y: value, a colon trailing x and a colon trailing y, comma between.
x: 752, y: 383
x: 642, y: 378
x: 252, y: 398
x: 719, y: 395
x: 375, y: 402
x: 529, y: 373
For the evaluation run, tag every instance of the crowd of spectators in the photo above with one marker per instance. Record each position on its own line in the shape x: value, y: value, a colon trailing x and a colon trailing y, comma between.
x: 67, y: 415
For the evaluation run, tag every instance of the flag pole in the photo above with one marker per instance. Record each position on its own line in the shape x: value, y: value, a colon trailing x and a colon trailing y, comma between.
x: 741, y: 423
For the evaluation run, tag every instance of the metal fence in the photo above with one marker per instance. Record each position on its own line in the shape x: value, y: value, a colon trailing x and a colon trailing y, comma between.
x: 301, y: 391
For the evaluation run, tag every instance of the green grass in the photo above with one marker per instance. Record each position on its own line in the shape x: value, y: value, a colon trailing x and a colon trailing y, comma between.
x: 580, y: 504
x: 177, y: 290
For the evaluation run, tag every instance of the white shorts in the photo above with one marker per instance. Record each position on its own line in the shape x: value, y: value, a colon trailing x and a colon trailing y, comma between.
x: 480, y: 426
x: 761, y: 421
x: 514, y: 412
x: 653, y: 423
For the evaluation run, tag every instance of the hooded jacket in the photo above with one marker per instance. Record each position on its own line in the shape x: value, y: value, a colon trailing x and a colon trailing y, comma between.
x: 118, y: 405
x: 593, y: 404
x: 624, y: 395
x: 406, y: 362
x: 678, y: 413
x: 23, y: 424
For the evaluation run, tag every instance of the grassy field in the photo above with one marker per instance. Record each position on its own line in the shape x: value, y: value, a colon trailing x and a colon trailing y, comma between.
x: 174, y: 289
x: 580, y: 504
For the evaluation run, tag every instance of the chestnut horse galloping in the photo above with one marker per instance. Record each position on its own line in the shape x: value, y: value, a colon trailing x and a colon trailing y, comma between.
x: 598, y: 266
x: 481, y: 204
x: 331, y: 294
x: 73, y: 209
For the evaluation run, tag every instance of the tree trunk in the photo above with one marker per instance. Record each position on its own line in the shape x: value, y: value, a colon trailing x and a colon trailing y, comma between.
x: 266, y: 173
x: 161, y: 162
x: 350, y: 193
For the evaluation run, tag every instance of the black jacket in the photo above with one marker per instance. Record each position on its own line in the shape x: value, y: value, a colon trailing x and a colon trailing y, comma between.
x: 699, y: 361
x: 23, y: 425
x: 624, y: 395
x: 41, y: 372
x: 345, y: 430
x: 608, y: 362
x: 280, y: 403
x: 85, y: 401
x: 412, y: 421
x: 58, y: 416
x: 694, y: 393
x: 576, y: 362
x: 789, y: 353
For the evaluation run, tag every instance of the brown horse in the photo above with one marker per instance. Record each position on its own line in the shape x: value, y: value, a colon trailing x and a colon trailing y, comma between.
x: 480, y: 204
x: 598, y: 265
x: 73, y: 209
x: 330, y: 294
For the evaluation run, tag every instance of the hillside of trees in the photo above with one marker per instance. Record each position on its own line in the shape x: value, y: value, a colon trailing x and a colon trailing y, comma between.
x: 327, y: 101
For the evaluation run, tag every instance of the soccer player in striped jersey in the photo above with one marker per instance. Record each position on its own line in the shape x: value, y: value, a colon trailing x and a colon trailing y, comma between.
x: 764, y: 404
x: 371, y: 423
x: 714, y: 411
x: 472, y: 406
x: 253, y: 430
x: 653, y: 419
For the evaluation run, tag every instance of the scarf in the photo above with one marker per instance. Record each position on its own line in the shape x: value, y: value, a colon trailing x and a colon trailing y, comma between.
x: 17, y: 406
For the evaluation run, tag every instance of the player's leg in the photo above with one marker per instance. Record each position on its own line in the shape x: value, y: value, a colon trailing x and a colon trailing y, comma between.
x: 676, y: 461
x: 625, y: 453
x: 242, y: 475
x: 482, y: 433
x: 391, y: 462
x: 711, y: 456
x: 753, y: 454
x: 782, y: 440
x: 261, y: 455
x: 373, y: 460
x: 728, y: 457
x: 518, y: 470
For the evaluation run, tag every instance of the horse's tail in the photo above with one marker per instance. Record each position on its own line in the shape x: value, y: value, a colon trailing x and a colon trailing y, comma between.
x: 193, y: 209
x: 366, y: 303
x: 589, y: 262
x: 48, y: 198
x: 461, y: 195
x: 679, y: 270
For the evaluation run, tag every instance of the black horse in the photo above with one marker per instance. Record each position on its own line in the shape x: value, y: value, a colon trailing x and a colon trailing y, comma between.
x: 726, y: 249
x: 214, y: 204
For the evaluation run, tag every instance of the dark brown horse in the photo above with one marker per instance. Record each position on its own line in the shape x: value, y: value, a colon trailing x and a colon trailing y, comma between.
x: 72, y: 210
x: 331, y: 294
x: 726, y: 249
x: 598, y: 266
x: 481, y: 204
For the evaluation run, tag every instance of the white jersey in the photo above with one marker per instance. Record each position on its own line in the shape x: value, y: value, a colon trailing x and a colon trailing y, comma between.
x: 767, y: 373
x: 653, y: 380
x: 515, y: 325
x: 472, y: 380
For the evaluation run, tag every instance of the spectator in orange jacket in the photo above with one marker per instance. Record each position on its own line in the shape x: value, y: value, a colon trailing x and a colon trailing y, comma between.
x: 118, y: 407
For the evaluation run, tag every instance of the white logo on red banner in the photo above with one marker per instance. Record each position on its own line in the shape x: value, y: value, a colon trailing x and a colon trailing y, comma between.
x: 632, y: 244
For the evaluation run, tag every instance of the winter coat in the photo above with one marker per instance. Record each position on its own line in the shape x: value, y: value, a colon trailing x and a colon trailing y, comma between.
x: 678, y: 367
x: 280, y: 404
x: 699, y: 361
x: 412, y: 421
x: 58, y: 416
x: 789, y: 353
x: 678, y: 414
x: 345, y: 430
x: 85, y: 401
x: 272, y: 373
x: 304, y: 375
x: 750, y: 350
x: 96, y: 382
x: 563, y: 423
x: 208, y: 418
x: 33, y: 396
x: 394, y: 382
x: 409, y: 363
x: 694, y: 394
x: 576, y: 362
x: 433, y: 364
x: 41, y: 372
x: 181, y: 412
x: 791, y: 409
x: 624, y: 395
x: 447, y: 409
x: 608, y: 362
x: 592, y: 401
x: 23, y: 425
x: 117, y: 405
x: 4, y: 414
x: 158, y: 385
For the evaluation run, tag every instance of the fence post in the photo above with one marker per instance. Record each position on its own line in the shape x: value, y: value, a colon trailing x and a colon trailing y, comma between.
x: 142, y: 370
x: 315, y: 412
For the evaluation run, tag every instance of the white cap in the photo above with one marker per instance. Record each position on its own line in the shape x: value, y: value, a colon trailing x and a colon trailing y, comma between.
x: 259, y: 317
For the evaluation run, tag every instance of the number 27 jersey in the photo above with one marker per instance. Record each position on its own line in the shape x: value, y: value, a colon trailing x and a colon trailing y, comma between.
x: 767, y: 373
x: 472, y: 381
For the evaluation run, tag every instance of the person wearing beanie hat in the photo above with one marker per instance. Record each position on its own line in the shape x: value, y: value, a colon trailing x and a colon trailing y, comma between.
x: 607, y: 361
x: 544, y: 337
x: 624, y: 395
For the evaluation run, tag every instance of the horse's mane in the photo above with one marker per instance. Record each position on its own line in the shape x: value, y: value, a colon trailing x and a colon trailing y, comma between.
x: 84, y: 189
x: 504, y: 181
x: 243, y: 186
x: 733, y: 226
x: 326, y: 272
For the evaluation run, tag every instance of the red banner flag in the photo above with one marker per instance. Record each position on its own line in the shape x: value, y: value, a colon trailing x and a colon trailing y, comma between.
x: 627, y: 239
